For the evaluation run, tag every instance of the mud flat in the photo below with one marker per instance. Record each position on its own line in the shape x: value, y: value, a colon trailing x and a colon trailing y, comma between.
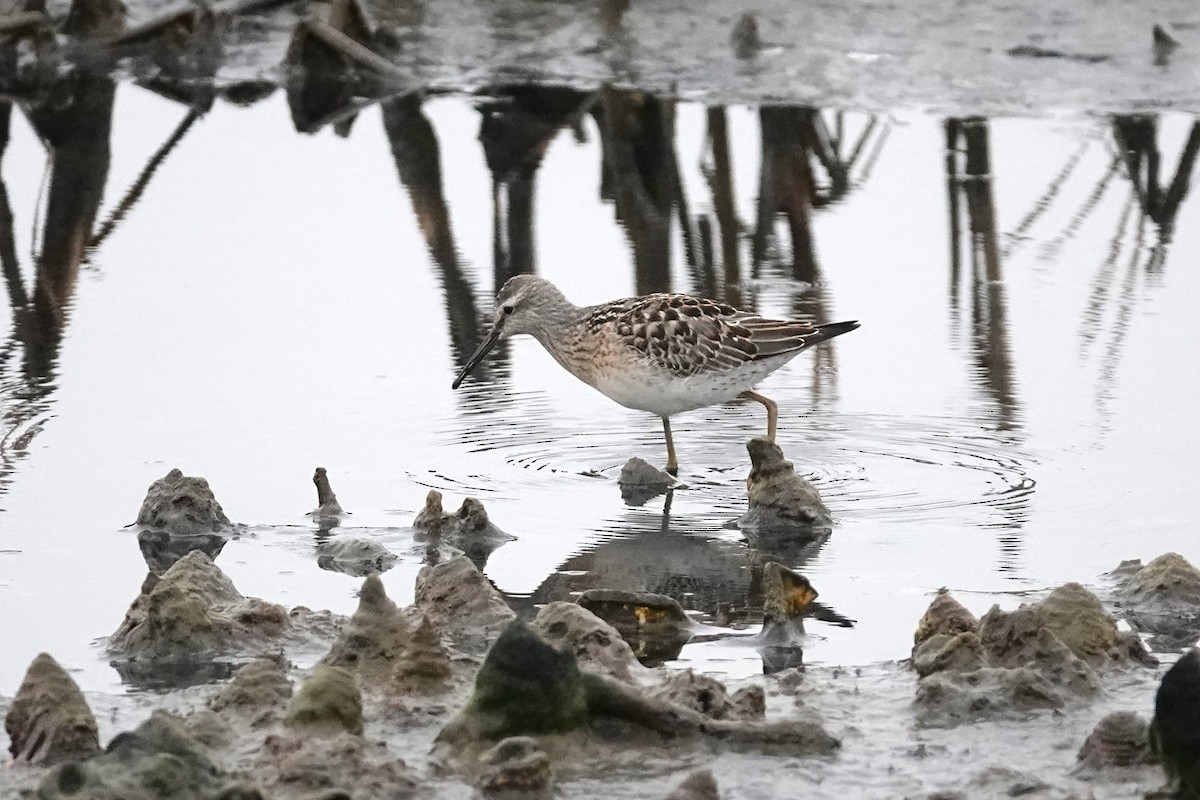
x: 456, y: 694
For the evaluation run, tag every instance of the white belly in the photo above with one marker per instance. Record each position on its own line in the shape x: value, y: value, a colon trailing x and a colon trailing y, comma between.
x: 665, y: 395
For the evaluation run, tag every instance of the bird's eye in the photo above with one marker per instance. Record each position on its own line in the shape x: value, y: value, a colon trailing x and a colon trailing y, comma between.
x: 509, y: 309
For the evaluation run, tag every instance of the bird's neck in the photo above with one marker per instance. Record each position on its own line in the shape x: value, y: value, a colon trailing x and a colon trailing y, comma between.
x: 561, y: 331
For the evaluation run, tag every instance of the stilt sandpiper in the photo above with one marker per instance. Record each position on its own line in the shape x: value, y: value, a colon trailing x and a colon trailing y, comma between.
x: 662, y: 353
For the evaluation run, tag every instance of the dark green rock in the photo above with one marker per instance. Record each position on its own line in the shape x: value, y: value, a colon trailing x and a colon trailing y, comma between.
x: 1175, y: 730
x: 526, y: 686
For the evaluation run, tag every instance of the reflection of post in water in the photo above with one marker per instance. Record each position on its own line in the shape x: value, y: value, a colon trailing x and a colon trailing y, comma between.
x: 73, y: 117
x: 786, y: 184
x: 1137, y: 138
x: 718, y: 171
x: 968, y: 148
x: 519, y: 123
x: 418, y: 163
x: 641, y: 176
x: 793, y: 138
x: 1137, y: 143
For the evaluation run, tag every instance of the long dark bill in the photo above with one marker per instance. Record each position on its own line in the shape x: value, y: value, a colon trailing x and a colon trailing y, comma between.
x: 485, y: 348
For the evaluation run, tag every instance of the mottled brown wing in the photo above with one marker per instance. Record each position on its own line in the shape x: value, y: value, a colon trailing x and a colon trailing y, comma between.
x: 686, y: 335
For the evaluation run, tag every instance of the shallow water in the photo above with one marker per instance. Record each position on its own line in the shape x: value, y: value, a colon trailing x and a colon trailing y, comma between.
x: 270, y: 305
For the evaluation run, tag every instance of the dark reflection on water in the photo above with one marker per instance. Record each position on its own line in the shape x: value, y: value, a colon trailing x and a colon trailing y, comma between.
x: 813, y: 161
x: 72, y: 114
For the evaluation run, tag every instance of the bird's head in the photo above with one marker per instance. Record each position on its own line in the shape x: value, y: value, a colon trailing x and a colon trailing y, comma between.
x: 524, y: 304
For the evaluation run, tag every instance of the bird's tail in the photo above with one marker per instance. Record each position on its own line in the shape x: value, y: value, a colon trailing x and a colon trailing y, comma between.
x: 834, y: 329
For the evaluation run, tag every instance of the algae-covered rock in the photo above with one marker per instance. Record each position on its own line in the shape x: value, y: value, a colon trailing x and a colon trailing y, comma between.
x: 699, y: 785
x: 779, y: 499
x: 1079, y: 620
x: 462, y: 603
x: 49, y: 720
x: 653, y: 625
x: 596, y: 644
x: 525, y: 686
x: 157, y: 760
x: 194, y: 613
x: 1175, y: 729
x: 1018, y: 639
x: 706, y: 695
x: 374, y: 640
x: 1163, y: 598
x: 943, y: 651
x: 702, y: 693
x: 390, y: 649
x: 338, y: 767
x: 948, y: 698
x: 516, y: 766
x: 182, y: 506
x: 425, y: 667
x: 1121, y: 739
x: 261, y: 688
x: 945, y: 615
x: 328, y: 703
x: 528, y: 687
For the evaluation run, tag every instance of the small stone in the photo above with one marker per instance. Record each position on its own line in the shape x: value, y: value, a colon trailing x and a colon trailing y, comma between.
x: 699, y: 785
x: 354, y: 556
x: 517, y: 765
x: 1121, y: 739
x: 641, y: 481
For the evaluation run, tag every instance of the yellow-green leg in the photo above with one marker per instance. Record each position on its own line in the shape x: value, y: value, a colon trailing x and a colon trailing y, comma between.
x: 672, y: 462
x: 772, y: 410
